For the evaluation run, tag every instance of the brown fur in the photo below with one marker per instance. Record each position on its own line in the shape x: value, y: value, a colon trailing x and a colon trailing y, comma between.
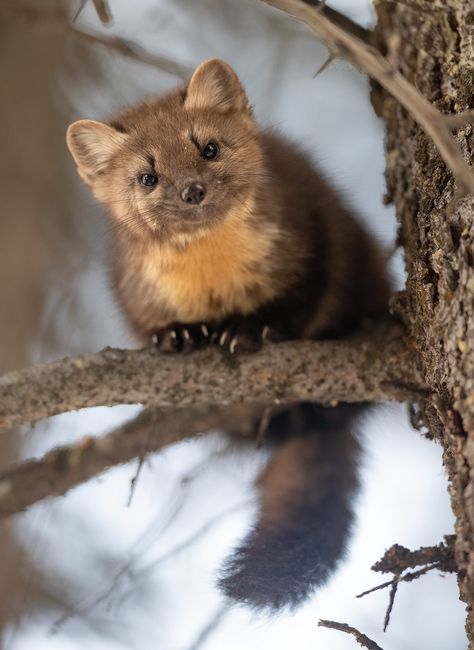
x: 270, y: 247
x: 306, y: 509
x: 222, y: 271
x: 270, y: 237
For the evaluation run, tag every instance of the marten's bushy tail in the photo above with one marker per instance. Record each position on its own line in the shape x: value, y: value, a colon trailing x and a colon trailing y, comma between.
x: 306, y: 509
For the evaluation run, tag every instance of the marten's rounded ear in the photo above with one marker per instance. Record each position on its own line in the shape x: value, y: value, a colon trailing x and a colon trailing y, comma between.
x: 215, y: 85
x: 92, y: 144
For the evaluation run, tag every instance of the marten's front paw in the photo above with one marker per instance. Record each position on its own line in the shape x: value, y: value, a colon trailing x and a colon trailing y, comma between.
x: 240, y: 334
x: 181, y: 337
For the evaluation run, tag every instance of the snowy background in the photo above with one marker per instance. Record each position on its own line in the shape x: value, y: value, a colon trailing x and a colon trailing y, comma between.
x: 108, y: 576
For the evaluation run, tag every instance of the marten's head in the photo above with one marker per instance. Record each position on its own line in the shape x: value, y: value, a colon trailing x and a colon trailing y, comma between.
x: 173, y: 167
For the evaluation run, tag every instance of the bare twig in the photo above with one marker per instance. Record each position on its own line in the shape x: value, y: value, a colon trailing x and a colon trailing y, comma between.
x: 370, y: 61
x: 101, y: 7
x: 361, y: 639
x: 135, y: 577
x: 136, y: 476
x: 343, y: 21
x: 57, y: 16
x: 103, y: 11
x: 79, y: 10
x: 139, y: 549
x: 133, y: 51
x: 407, y: 577
x: 211, y: 626
x: 375, y: 368
x: 391, y: 601
x: 324, y: 66
x: 398, y: 559
x: 63, y: 468
x: 195, y: 537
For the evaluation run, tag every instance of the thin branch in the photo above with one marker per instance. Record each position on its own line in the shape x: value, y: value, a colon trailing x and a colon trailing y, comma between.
x: 63, y: 468
x: 460, y: 120
x: 343, y: 21
x: 79, y: 10
x: 407, y: 577
x: 391, y: 602
x: 57, y: 16
x: 103, y: 11
x: 370, y: 61
x: 133, y: 51
x: 398, y: 559
x: 375, y: 368
x: 135, y: 577
x: 136, y: 476
x: 210, y: 628
x: 209, y: 525
x: 324, y: 66
x: 361, y: 639
x: 140, y: 548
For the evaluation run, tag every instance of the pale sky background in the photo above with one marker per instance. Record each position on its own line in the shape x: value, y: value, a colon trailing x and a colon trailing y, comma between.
x: 91, y: 537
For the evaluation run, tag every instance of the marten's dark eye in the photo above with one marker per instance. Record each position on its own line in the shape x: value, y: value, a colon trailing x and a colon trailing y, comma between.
x: 210, y: 151
x: 148, y: 180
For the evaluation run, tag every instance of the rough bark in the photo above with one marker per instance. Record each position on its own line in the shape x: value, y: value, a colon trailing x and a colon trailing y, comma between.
x: 373, y: 368
x: 434, y: 48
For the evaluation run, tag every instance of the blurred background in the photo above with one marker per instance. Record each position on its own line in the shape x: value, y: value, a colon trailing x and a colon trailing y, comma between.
x: 88, y: 570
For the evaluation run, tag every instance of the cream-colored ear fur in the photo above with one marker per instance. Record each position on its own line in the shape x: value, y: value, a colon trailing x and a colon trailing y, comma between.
x: 215, y: 85
x: 92, y: 144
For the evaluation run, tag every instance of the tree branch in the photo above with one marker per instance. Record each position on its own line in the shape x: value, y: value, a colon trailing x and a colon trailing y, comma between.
x: 210, y: 627
x: 341, y: 20
x: 58, y: 16
x: 63, y: 468
x: 372, y: 369
x: 370, y: 61
x: 361, y: 639
x: 398, y: 559
x: 102, y: 10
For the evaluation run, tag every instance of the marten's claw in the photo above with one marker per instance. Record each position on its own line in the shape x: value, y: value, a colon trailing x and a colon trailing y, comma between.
x: 240, y: 334
x: 181, y: 337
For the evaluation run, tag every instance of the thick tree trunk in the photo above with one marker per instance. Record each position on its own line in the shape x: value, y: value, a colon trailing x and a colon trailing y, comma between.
x: 432, y: 43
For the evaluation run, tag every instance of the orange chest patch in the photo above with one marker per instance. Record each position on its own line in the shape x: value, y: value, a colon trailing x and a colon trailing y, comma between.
x: 224, y: 271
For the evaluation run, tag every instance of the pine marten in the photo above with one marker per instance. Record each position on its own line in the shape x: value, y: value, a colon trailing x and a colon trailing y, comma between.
x: 226, y: 234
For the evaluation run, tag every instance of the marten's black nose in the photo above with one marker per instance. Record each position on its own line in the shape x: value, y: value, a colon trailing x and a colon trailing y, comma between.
x: 193, y: 194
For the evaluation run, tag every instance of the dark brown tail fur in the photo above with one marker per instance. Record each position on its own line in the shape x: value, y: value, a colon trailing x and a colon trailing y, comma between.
x: 306, y: 509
